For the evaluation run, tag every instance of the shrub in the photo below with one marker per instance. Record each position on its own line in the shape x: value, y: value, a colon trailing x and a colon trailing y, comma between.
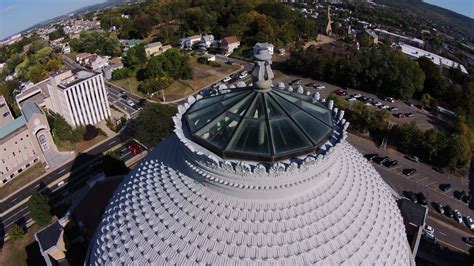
x: 90, y: 132
x: 39, y: 209
x: 16, y: 232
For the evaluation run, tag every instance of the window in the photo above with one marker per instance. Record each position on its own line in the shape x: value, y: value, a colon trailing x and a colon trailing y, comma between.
x: 20, y: 170
x: 43, y: 142
x: 35, y: 160
x: 12, y: 175
x: 27, y: 165
x: 13, y: 154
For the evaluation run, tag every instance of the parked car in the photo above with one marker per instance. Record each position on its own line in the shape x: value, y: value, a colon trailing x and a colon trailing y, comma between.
x: 448, y: 211
x: 371, y: 156
x: 429, y: 237
x: 134, y: 148
x: 320, y: 87
x: 226, y: 79
x: 357, y: 95
x: 421, y: 198
x: 444, y: 187
x: 393, y: 108
x: 409, y: 171
x: 409, y: 103
x: 124, y: 96
x: 410, y: 114
x: 380, y: 160
x: 466, y: 199
x: 468, y: 240
x: 412, y: 158
x: 296, y: 82
x: 229, y: 62
x: 459, y: 194
x: 438, y: 207
x: 243, y: 74
x: 469, y: 222
x: 389, y: 99
x: 390, y: 163
x: 130, y: 103
x: 438, y: 169
x: 457, y: 216
x: 411, y: 196
x: 428, y: 229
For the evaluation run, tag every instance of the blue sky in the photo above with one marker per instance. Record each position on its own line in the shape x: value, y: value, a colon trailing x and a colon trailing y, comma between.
x: 17, y: 15
x: 465, y: 7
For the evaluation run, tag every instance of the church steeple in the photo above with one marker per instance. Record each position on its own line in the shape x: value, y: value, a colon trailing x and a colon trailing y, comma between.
x: 328, y: 25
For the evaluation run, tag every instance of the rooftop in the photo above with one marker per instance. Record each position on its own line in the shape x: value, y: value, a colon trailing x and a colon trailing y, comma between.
x: 412, y: 212
x: 11, y: 127
x: 30, y: 108
x: 48, y: 237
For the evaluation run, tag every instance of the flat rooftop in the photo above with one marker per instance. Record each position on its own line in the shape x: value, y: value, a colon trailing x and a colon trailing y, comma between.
x: 78, y: 75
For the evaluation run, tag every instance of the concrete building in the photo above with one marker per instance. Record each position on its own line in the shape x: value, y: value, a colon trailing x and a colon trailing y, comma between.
x: 189, y: 42
x: 51, y: 244
x: 415, y: 53
x: 207, y: 40
x: 97, y: 62
x: 397, y: 38
x: 114, y: 64
x: 153, y: 49
x: 79, y: 96
x: 263, y: 46
x: 24, y: 141
x: 259, y: 175
x: 6, y: 116
x: 229, y: 44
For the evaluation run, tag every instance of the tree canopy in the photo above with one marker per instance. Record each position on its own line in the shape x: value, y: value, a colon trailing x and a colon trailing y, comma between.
x: 96, y: 42
x: 154, y: 123
x: 39, y: 209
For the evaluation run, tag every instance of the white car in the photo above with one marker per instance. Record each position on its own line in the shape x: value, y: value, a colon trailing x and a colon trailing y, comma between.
x: 130, y: 103
x: 429, y: 230
x: 378, y: 104
x: 243, y: 74
x: 357, y: 95
x: 226, y: 79
x: 352, y: 98
x: 320, y: 87
x: 390, y: 99
x: 457, y: 216
x: 469, y: 222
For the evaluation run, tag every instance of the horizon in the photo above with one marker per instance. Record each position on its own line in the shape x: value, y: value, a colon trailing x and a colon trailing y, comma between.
x: 462, y: 7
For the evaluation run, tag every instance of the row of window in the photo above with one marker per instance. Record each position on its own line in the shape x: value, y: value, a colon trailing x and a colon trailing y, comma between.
x: 12, y: 175
x: 86, y: 101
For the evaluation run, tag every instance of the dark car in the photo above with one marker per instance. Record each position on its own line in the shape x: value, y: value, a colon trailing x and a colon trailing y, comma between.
x: 390, y: 163
x: 421, y: 198
x: 229, y: 62
x: 438, y: 207
x: 448, y: 211
x: 468, y: 240
x: 466, y: 199
x: 371, y: 156
x: 380, y: 160
x: 409, y: 171
x: 438, y: 169
x: 411, y: 196
x: 124, y: 96
x: 459, y: 194
x: 410, y: 114
x: 296, y: 82
x: 444, y: 187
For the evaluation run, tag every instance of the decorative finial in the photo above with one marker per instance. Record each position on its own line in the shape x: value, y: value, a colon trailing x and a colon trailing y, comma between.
x: 262, y: 73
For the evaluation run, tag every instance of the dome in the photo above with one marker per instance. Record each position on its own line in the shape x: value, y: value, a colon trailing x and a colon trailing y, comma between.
x: 258, y: 125
x: 231, y: 187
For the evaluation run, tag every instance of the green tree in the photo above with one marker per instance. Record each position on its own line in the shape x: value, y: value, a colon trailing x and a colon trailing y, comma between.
x: 122, y: 73
x: 113, y: 165
x: 39, y: 209
x: 136, y: 57
x: 154, y: 123
x: 96, y: 42
x: 16, y: 232
x: 339, y: 102
x: 435, y: 84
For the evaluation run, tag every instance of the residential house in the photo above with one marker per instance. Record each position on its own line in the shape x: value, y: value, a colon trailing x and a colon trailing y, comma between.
x: 263, y: 46
x: 207, y: 40
x: 229, y: 44
x: 66, y: 49
x: 188, y: 42
x: 153, y: 49
x: 129, y: 44
x: 97, y: 62
x: 114, y: 64
x: 83, y: 58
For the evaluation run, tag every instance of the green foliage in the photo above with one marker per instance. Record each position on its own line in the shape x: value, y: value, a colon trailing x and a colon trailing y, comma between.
x: 435, y: 84
x: 154, y: 123
x: 152, y: 85
x: 39, y: 209
x: 7, y: 89
x: 113, y: 165
x: 339, y: 102
x: 136, y: 57
x: 122, y: 73
x: 96, y: 42
x: 433, y: 146
x: 16, y: 232
x: 57, y: 34
x: 62, y: 131
x: 378, y: 70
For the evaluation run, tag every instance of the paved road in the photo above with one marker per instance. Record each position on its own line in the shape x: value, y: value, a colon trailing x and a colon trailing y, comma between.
x: 427, y: 181
x: 124, y: 100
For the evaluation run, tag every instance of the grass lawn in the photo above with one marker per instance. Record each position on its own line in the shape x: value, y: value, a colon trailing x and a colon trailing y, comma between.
x: 22, y: 179
x: 130, y: 84
x: 22, y: 252
x: 80, y: 146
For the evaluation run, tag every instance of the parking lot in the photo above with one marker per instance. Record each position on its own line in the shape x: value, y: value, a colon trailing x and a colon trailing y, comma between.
x: 124, y: 100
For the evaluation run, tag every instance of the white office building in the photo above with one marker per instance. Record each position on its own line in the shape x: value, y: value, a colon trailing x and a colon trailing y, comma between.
x: 79, y: 96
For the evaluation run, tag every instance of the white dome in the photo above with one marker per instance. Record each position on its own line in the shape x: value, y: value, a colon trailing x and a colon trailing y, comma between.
x: 171, y: 211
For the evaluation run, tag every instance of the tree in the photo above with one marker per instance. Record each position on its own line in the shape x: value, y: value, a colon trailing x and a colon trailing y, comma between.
x: 113, y: 165
x: 39, y: 209
x: 90, y: 132
x: 122, y: 73
x: 136, y: 56
x: 154, y: 123
x: 16, y: 232
x: 96, y: 42
x: 435, y: 84
x: 339, y: 102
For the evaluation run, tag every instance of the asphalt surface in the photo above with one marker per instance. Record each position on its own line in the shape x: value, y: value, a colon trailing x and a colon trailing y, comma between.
x: 81, y: 169
x: 123, y: 99
x: 426, y: 180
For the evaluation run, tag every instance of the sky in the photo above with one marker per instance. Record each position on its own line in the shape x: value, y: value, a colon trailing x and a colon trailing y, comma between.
x: 18, y: 15
x: 464, y: 7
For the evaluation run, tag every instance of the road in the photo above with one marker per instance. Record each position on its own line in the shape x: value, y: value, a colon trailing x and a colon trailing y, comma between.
x: 124, y: 100
x: 427, y: 181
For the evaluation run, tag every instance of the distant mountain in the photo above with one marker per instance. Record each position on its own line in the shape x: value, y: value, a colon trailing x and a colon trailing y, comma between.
x: 439, y: 15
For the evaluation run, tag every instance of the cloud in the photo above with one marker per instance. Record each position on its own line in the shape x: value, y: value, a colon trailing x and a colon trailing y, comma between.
x: 7, y: 9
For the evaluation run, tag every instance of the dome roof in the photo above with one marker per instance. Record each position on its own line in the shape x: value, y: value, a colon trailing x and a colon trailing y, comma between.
x: 259, y: 125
